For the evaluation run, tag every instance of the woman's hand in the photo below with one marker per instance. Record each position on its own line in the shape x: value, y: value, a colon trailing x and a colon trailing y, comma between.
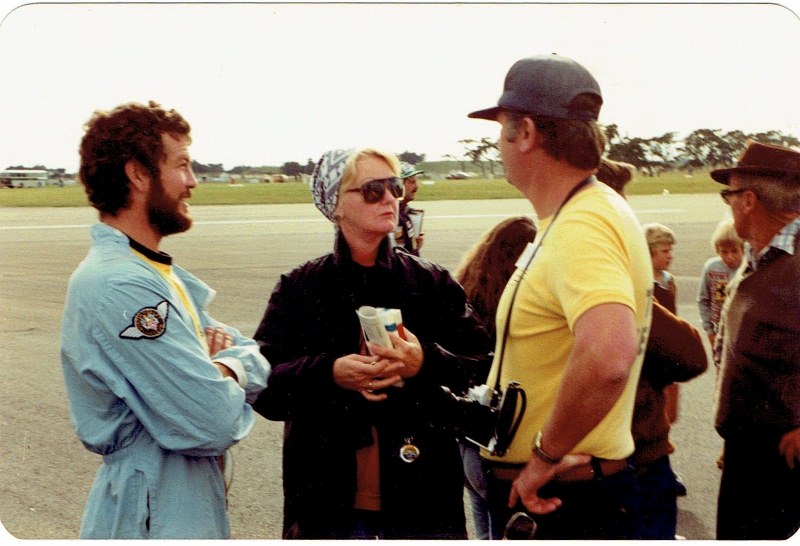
x: 408, y: 351
x: 218, y: 339
x: 366, y: 374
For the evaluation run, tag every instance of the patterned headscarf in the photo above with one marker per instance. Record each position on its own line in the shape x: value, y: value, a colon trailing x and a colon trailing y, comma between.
x: 326, y: 179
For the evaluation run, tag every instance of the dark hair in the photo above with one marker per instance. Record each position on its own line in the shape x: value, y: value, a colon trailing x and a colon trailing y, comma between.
x: 615, y: 174
x: 130, y: 131
x: 487, y: 266
x: 578, y: 142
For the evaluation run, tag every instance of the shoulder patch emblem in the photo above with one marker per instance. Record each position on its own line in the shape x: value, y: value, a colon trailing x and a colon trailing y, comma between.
x: 149, y: 322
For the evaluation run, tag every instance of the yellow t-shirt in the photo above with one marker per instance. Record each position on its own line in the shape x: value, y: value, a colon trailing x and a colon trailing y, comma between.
x: 595, y: 253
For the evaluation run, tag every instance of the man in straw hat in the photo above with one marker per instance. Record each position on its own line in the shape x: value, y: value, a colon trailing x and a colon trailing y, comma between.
x: 574, y: 318
x: 758, y: 392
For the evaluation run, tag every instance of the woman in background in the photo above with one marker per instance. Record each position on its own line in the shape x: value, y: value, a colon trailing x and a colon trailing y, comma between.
x: 484, y: 272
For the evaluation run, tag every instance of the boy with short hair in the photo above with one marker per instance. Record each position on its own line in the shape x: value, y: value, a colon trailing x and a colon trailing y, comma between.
x: 717, y: 271
x: 661, y: 240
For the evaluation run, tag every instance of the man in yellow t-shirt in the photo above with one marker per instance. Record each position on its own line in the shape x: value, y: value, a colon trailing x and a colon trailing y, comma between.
x: 573, y: 321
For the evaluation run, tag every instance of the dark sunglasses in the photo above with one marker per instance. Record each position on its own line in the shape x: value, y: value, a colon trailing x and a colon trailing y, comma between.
x: 373, y: 191
x: 520, y: 526
x: 725, y: 194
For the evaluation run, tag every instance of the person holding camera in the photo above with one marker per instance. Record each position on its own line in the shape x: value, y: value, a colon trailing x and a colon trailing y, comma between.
x: 574, y: 318
x: 370, y: 447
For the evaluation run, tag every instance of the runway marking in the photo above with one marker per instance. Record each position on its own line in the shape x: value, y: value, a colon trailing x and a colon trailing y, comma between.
x: 316, y: 220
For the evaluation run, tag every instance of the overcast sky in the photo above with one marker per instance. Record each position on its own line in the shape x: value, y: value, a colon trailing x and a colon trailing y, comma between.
x: 269, y: 83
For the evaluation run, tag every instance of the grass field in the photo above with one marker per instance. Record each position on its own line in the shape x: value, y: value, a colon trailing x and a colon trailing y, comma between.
x: 294, y: 192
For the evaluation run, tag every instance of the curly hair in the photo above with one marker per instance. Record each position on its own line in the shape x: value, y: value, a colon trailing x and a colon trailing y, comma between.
x: 131, y: 131
x: 487, y: 266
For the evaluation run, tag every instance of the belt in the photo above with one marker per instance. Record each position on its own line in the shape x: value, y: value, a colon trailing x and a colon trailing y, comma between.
x: 596, y: 469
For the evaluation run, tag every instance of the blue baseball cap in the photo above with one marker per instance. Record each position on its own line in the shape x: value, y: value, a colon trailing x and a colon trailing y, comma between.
x: 547, y: 86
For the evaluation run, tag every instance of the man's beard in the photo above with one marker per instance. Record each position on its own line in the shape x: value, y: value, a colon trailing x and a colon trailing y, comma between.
x: 164, y: 212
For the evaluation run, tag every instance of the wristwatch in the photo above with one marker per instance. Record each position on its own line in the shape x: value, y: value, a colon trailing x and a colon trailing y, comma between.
x: 542, y: 454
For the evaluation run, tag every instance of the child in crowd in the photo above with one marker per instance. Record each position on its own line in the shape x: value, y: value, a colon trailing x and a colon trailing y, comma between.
x: 674, y: 353
x: 661, y: 241
x: 716, y: 273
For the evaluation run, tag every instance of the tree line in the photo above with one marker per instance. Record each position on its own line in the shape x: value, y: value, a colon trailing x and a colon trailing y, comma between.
x: 702, y: 148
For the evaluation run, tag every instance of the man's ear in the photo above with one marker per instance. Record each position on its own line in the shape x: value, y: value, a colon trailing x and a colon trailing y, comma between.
x: 138, y: 175
x: 749, y: 201
x: 527, y: 135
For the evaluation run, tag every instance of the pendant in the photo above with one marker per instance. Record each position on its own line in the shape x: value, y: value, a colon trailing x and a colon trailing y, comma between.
x: 409, y: 452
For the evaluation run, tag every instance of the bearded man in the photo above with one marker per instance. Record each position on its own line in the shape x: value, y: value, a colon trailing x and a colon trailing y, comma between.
x: 156, y: 386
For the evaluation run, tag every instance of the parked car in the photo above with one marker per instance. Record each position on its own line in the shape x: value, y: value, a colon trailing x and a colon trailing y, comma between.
x: 458, y: 175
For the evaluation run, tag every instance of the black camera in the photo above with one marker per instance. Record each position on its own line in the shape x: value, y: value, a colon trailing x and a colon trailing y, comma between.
x: 489, y: 418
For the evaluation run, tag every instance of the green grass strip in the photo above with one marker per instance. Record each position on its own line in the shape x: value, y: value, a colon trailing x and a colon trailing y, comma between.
x: 298, y: 192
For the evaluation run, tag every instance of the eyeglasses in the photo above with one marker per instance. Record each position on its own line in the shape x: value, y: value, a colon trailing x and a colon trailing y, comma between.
x: 373, y: 191
x: 520, y: 527
x: 725, y: 194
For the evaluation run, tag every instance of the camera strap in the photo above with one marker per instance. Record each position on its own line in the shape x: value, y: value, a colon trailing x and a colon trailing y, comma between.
x: 580, y: 185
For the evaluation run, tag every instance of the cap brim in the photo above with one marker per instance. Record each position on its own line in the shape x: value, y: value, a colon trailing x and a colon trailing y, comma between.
x: 488, y: 113
x: 412, y: 173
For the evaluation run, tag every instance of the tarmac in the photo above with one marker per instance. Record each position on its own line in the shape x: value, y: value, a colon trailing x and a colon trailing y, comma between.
x: 241, y: 251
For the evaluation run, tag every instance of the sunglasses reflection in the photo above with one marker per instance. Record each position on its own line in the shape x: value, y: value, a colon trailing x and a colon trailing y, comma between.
x: 520, y: 526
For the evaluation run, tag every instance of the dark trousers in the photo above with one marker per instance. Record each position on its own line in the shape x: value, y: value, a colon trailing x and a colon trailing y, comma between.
x: 659, y: 490
x: 608, y: 509
x: 759, y: 495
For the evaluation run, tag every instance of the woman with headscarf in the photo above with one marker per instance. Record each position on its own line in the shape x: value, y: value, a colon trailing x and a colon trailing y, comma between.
x: 369, y: 448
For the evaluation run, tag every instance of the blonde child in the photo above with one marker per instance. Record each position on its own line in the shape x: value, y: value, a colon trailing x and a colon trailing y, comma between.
x: 661, y: 241
x: 716, y: 272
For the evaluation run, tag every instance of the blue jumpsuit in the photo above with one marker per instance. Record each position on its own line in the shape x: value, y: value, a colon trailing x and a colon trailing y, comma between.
x: 145, y: 394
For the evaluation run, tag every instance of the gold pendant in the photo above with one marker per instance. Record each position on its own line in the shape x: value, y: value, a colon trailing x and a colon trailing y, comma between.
x: 409, y: 452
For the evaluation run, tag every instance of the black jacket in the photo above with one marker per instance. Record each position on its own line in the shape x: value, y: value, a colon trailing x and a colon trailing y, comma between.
x: 310, y: 321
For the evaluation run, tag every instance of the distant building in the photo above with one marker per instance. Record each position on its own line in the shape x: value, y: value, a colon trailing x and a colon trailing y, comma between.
x: 213, y: 177
x: 24, y: 178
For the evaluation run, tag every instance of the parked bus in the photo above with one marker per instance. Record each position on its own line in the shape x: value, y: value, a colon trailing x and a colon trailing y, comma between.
x: 23, y: 178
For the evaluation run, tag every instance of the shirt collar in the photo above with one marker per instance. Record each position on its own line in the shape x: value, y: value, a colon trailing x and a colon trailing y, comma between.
x: 158, y: 257
x: 784, y: 241
x: 341, y: 252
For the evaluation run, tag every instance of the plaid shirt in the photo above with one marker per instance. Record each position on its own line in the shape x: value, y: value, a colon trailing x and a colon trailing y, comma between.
x: 783, y: 241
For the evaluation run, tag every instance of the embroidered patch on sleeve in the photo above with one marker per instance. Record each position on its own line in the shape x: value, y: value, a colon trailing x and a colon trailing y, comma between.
x: 149, y: 322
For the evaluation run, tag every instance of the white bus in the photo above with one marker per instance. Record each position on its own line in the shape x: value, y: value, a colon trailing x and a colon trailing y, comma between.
x: 23, y: 178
